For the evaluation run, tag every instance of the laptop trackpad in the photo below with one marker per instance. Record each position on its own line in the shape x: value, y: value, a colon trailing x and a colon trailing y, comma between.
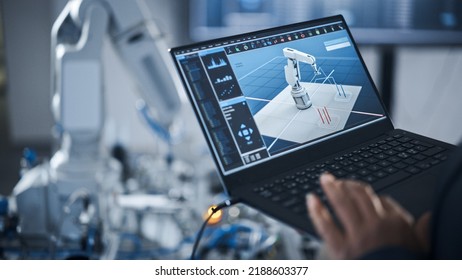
x: 415, y: 195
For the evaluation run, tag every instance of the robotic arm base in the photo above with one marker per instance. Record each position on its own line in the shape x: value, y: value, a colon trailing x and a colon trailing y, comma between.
x: 301, y: 98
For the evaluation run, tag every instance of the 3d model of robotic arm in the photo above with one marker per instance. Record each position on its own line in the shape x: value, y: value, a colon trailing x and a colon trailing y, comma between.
x: 293, y: 77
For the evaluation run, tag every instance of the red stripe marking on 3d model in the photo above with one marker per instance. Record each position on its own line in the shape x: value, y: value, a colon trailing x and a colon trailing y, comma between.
x: 319, y: 112
x: 328, y: 115
x: 324, y: 112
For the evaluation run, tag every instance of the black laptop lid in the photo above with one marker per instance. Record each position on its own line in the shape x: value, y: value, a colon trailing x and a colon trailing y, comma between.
x: 241, y: 93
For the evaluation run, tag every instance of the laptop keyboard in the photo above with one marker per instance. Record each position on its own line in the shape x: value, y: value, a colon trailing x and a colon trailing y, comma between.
x: 384, y: 162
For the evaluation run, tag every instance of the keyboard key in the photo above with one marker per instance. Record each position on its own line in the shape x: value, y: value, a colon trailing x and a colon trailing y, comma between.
x: 279, y: 181
x: 371, y: 160
x: 380, y: 174
x: 394, y: 143
x: 408, y: 145
x: 433, y: 151
x: 391, y: 169
x: 290, y: 185
x: 345, y: 162
x: 409, y: 161
x: 312, y: 176
x: 393, y: 159
x: 319, y: 193
x: 418, y: 142
x: 384, y: 163
x: 400, y: 149
x: 294, y: 192
x: 306, y: 187
x: 352, y: 176
x: 310, y: 169
x: 364, y: 172
x: 400, y: 165
x: 444, y: 158
x: 374, y: 167
x: 276, y: 198
x: 351, y: 169
x: 278, y: 189
x: 316, y: 183
x: 334, y: 167
x: 370, y: 179
x: 301, y: 180
x: 419, y: 157
x: 413, y: 169
x: 340, y: 173
x: 366, y: 155
x: 403, y: 155
x: 355, y: 158
x: 322, y: 170
x: 385, y: 147
x: 423, y: 165
x: 381, y: 156
x: 420, y: 148
x: 390, y: 152
x: 266, y: 193
x: 404, y: 139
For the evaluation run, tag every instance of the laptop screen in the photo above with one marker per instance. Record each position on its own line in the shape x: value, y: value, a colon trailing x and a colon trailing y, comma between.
x: 270, y: 93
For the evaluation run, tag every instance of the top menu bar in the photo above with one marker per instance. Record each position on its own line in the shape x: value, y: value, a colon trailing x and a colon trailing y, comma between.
x: 248, y: 43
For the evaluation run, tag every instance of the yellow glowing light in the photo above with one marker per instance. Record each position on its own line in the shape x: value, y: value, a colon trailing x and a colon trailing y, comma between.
x: 216, y: 218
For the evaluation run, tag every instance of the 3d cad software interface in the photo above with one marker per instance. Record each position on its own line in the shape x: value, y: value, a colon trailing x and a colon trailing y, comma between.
x: 244, y: 99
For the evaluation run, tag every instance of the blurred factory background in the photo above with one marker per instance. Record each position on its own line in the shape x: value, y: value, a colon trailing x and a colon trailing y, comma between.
x: 413, y: 49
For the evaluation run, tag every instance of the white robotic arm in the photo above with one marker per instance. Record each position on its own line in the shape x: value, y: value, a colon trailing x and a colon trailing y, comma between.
x: 77, y: 38
x: 78, y: 167
x: 293, y: 77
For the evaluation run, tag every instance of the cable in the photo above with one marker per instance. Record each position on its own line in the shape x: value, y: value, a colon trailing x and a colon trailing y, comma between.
x: 215, y: 209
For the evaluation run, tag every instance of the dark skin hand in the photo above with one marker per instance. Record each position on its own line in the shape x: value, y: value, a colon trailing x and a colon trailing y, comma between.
x: 368, y: 221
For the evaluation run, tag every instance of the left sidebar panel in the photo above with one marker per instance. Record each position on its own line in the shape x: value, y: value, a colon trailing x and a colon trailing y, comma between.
x: 210, y: 112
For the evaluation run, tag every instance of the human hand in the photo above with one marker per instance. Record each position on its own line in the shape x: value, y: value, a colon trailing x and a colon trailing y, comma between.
x: 367, y: 221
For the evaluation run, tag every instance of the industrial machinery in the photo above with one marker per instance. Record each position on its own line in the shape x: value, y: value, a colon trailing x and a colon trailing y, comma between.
x: 293, y: 76
x: 81, y: 203
x: 65, y: 202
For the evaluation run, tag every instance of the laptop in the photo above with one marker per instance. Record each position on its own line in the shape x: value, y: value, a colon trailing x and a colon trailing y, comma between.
x: 280, y: 106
